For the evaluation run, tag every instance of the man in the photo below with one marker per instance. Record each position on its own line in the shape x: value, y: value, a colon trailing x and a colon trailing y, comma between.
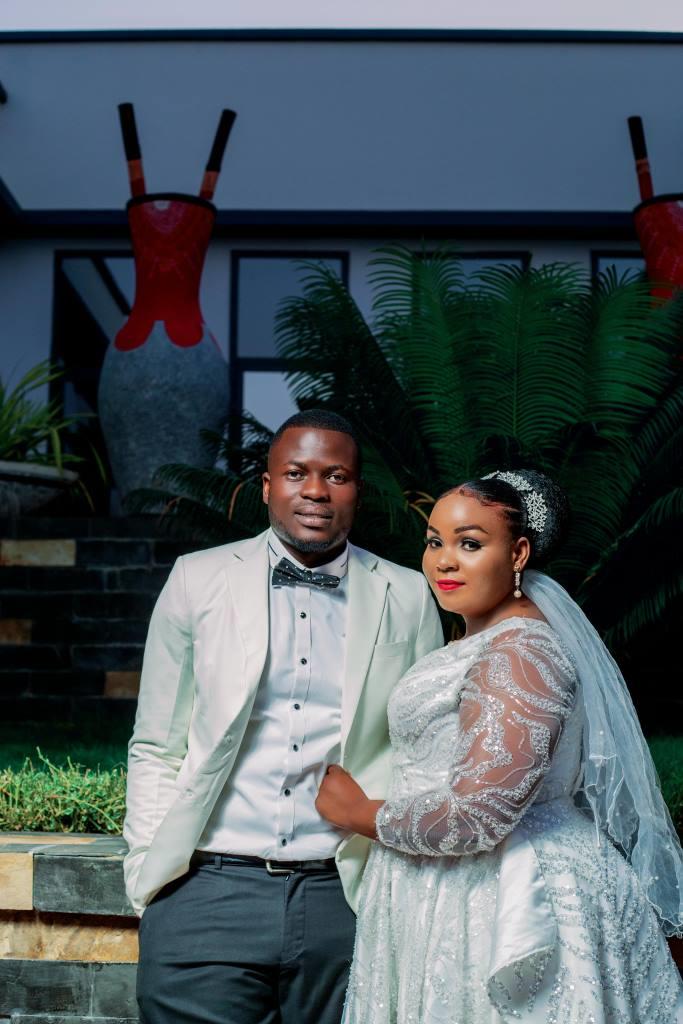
x: 266, y: 661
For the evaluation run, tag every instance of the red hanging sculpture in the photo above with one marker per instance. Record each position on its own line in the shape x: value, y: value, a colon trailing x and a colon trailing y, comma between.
x: 164, y: 379
x: 659, y: 221
x: 170, y: 235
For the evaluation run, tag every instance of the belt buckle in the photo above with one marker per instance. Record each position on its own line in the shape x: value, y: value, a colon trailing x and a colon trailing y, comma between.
x: 272, y: 869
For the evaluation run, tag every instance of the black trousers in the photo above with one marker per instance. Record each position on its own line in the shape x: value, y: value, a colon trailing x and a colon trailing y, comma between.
x: 235, y: 945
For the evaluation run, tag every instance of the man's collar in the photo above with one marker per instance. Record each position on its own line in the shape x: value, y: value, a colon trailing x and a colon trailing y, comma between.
x: 276, y: 550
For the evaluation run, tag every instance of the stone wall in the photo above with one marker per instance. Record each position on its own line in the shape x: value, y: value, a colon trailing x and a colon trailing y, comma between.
x: 75, y: 600
x: 68, y: 936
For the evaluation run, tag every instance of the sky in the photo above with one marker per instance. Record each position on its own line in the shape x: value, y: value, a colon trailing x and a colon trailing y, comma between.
x: 614, y: 15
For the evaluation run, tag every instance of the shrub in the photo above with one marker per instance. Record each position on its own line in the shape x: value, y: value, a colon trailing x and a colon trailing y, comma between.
x: 667, y: 753
x: 62, y: 798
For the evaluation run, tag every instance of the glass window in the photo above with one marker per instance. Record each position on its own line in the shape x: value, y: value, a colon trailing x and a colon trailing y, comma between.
x: 623, y: 261
x: 473, y: 262
x: 262, y: 282
x: 266, y: 396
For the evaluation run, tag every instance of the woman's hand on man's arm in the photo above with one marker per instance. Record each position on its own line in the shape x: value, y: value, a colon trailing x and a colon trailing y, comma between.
x: 341, y: 801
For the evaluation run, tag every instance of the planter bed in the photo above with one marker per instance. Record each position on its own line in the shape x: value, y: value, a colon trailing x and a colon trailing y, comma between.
x: 68, y: 936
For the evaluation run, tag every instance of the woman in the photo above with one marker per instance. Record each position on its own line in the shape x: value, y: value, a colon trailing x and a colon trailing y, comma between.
x: 493, y: 892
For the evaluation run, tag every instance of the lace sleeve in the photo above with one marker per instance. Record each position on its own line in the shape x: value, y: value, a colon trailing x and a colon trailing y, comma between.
x: 514, y: 702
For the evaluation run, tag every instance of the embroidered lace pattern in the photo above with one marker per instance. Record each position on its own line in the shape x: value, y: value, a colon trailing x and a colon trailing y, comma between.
x: 511, y: 708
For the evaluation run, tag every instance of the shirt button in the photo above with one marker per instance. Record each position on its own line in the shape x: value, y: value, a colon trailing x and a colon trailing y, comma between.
x: 283, y: 842
x: 302, y: 615
x: 297, y: 707
x: 288, y: 792
x: 295, y: 746
x: 304, y: 661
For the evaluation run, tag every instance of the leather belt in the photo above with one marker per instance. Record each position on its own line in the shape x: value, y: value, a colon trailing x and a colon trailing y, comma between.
x: 273, y: 867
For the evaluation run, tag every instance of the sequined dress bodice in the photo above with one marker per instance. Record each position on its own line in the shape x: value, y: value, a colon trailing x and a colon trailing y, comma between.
x: 490, y: 897
x: 480, y: 729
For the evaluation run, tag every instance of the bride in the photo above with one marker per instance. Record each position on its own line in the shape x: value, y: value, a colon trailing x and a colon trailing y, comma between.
x: 526, y: 867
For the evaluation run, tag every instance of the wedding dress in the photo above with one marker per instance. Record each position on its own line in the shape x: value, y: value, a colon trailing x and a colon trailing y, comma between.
x: 490, y: 897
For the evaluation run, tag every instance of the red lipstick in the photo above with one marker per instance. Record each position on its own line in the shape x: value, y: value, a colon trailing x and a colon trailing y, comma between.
x: 449, y: 585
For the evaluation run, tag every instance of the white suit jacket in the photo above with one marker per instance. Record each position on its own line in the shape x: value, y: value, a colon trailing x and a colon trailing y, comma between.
x: 205, y: 652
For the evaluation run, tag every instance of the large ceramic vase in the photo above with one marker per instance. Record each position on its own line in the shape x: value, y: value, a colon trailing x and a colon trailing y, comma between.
x: 659, y: 224
x: 164, y: 378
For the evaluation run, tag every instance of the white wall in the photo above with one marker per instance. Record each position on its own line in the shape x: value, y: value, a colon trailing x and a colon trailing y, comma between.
x: 666, y: 16
x: 344, y: 125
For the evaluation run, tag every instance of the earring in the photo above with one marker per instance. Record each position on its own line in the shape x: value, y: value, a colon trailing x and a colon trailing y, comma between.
x: 518, y: 583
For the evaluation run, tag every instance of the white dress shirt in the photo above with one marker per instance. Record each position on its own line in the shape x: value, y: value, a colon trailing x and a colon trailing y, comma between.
x: 267, y: 807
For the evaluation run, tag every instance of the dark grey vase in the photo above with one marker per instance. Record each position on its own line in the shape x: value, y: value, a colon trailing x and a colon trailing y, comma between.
x: 164, y: 378
x: 155, y: 400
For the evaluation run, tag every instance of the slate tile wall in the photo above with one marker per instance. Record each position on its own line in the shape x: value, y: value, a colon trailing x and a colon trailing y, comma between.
x: 76, y: 596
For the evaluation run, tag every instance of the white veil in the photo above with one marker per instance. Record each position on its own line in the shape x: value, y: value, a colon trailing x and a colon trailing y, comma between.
x: 619, y: 781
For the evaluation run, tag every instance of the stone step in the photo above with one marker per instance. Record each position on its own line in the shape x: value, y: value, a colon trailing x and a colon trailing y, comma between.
x: 110, y: 682
x: 51, y: 1018
x: 54, y: 987
x: 49, y: 528
x: 34, y: 656
x: 66, y: 873
x: 51, y: 683
x: 70, y: 605
x: 67, y: 932
x: 74, y: 631
x: 87, y: 553
x: 75, y: 658
x: 76, y: 597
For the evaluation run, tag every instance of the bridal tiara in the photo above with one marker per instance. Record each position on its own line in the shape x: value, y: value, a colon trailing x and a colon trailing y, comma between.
x: 534, y: 502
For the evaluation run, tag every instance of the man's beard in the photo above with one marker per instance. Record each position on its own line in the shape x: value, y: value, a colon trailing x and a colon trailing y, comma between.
x: 306, y: 547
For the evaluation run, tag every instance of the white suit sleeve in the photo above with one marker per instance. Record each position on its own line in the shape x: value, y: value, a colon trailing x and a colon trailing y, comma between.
x: 159, y: 742
x: 514, y: 702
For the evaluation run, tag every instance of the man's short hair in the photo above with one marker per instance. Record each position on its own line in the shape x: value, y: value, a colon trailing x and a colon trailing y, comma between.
x: 320, y: 419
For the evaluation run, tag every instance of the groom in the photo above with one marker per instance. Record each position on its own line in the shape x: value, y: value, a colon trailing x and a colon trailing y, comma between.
x: 266, y: 661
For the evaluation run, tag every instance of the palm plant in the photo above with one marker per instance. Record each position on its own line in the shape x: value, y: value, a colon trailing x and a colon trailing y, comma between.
x: 31, y: 431
x: 212, y: 505
x: 453, y: 378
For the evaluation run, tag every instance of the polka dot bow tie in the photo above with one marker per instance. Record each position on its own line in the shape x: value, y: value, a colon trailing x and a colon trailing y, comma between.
x: 286, y: 574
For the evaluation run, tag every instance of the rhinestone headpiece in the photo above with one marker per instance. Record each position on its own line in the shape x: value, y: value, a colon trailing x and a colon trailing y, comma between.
x: 534, y: 502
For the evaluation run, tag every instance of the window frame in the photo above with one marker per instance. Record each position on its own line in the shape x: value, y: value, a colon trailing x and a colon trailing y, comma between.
x: 239, y: 365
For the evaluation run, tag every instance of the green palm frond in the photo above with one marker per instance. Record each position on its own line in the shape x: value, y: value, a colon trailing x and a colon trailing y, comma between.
x: 336, y: 362
x: 183, y: 517
x: 236, y: 498
x: 599, y: 491
x: 398, y: 278
x: 423, y: 319
x: 663, y: 515
x: 529, y: 346
x: 630, y: 358
x: 665, y: 466
x: 387, y: 511
x: 648, y: 610
x: 663, y: 423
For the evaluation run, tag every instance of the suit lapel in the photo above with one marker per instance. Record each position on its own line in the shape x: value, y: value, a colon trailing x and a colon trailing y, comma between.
x: 367, y: 594
x: 248, y: 580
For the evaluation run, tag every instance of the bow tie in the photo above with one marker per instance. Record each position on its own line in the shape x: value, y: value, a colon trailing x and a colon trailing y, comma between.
x: 286, y: 573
